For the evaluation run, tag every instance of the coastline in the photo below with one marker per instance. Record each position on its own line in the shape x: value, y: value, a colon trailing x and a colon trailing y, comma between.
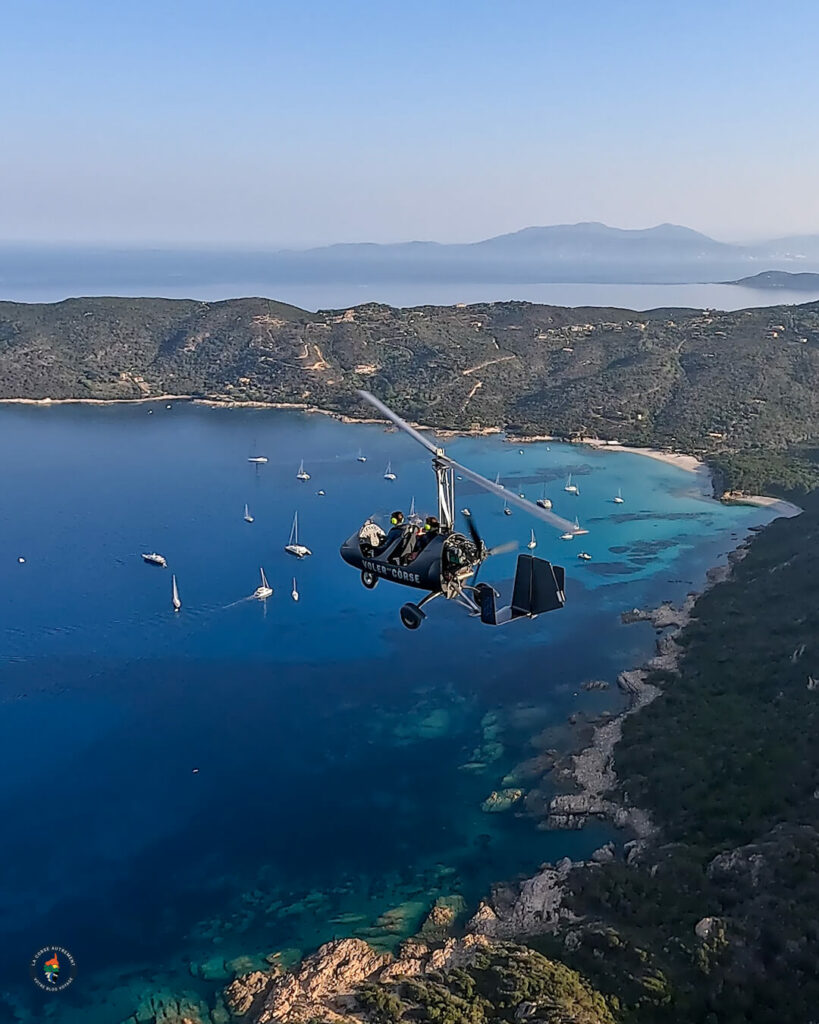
x: 681, y: 460
x: 534, y: 906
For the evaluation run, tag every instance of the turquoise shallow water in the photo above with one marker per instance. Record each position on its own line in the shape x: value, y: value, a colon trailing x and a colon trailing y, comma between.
x: 329, y: 740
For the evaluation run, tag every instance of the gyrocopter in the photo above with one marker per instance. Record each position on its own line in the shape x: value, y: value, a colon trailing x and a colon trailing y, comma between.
x: 439, y: 560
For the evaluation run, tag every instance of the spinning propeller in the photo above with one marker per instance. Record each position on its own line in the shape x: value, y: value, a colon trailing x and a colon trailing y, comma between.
x: 494, y: 488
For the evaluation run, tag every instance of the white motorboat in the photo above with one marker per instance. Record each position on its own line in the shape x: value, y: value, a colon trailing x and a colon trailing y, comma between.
x: 265, y: 590
x: 154, y: 559
x: 543, y: 501
x: 293, y: 547
x: 584, y: 555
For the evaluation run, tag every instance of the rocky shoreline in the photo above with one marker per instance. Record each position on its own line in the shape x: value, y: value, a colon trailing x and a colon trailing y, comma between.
x: 589, y: 774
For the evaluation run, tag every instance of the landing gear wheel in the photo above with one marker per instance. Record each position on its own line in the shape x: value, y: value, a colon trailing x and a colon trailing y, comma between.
x: 411, y: 616
x: 369, y: 579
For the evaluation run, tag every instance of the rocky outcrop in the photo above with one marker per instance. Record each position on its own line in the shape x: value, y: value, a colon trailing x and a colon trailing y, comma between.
x: 324, y: 986
x: 536, y: 907
x: 241, y: 994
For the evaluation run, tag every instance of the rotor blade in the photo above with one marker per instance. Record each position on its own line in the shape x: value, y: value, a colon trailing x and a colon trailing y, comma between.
x: 394, y: 418
x: 511, y: 497
x: 503, y: 549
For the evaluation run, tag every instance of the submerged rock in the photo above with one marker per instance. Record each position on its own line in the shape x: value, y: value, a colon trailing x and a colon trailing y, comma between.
x: 441, y: 917
x: 501, y: 800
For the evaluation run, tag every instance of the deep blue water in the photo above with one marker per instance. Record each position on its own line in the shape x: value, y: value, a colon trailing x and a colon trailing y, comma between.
x: 329, y: 740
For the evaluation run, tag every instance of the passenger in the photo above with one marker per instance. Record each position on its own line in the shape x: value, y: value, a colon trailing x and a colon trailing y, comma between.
x: 370, y: 537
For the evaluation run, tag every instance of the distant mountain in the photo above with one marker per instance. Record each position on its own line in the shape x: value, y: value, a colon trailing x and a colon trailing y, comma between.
x: 564, y: 252
x: 780, y: 279
x: 588, y: 252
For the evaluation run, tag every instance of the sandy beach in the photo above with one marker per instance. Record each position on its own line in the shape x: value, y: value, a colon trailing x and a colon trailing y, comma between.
x: 690, y: 463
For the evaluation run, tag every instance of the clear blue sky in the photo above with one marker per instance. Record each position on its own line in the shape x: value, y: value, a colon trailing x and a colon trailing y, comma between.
x: 306, y: 122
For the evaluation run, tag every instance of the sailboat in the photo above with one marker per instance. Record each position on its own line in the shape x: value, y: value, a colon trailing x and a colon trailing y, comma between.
x: 532, y: 542
x: 570, y: 487
x: 577, y: 528
x: 506, y: 510
x: 361, y: 458
x: 302, y: 474
x: 619, y: 499
x: 248, y: 516
x: 414, y: 518
x: 265, y: 590
x: 177, y: 604
x: 293, y: 547
x: 543, y: 501
x: 388, y: 473
x: 294, y: 593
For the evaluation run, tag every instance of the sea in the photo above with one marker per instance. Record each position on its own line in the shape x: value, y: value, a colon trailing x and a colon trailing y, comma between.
x: 185, y: 794
x: 329, y: 295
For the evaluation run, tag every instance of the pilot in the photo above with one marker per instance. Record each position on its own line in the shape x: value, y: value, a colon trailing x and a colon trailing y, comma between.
x: 426, y: 534
x: 398, y: 530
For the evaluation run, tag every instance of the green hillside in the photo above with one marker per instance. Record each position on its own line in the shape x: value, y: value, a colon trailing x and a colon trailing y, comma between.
x: 715, y: 383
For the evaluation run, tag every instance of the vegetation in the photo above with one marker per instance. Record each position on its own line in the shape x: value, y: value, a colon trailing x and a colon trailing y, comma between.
x: 737, y: 387
x: 719, y: 923
x: 494, y: 989
x: 727, y: 762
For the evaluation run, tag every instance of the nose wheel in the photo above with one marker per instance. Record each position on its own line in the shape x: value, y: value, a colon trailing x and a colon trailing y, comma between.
x: 369, y: 579
x: 411, y: 616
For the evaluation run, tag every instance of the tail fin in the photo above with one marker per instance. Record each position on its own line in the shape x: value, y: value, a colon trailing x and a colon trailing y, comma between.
x: 539, y: 587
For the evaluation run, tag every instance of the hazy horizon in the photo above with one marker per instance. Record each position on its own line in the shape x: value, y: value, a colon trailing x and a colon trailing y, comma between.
x: 240, y: 245
x: 290, y: 126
